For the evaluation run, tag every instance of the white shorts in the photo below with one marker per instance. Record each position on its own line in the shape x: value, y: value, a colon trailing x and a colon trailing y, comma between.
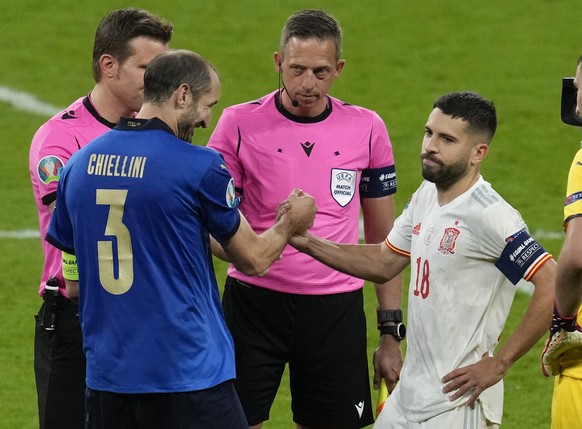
x: 462, y: 417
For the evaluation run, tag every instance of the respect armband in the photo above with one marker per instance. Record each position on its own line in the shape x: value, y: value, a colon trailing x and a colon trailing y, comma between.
x: 70, y: 269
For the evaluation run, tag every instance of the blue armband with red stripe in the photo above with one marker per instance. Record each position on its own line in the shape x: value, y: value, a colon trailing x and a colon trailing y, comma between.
x: 521, y: 257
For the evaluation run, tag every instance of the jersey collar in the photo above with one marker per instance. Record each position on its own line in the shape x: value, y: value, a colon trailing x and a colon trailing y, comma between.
x: 91, y: 109
x: 137, y: 124
x: 302, y: 119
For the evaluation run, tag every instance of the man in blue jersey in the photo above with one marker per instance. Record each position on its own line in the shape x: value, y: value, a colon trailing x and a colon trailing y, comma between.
x: 126, y: 40
x: 136, y: 208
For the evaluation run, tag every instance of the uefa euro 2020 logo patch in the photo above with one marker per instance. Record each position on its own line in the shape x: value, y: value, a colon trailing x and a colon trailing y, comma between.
x: 230, y: 194
x: 49, y: 169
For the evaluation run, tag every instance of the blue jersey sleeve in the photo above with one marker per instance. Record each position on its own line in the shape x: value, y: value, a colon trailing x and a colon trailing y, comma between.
x: 218, y: 201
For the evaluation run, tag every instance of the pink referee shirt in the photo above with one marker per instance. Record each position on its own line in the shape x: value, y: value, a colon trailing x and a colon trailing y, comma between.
x: 52, y: 146
x: 269, y: 152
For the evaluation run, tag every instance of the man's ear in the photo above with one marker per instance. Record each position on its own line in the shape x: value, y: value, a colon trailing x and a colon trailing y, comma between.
x: 108, y: 65
x: 278, y: 59
x: 182, y: 94
x: 339, y: 66
x: 480, y: 151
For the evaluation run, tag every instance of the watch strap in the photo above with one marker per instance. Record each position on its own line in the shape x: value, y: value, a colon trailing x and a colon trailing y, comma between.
x: 398, y: 331
x: 384, y: 316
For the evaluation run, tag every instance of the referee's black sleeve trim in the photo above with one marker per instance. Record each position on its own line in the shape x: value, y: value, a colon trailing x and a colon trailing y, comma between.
x: 58, y: 245
x: 49, y: 198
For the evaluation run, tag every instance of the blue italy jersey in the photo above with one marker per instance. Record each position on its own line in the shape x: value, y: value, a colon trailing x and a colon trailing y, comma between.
x: 137, y: 206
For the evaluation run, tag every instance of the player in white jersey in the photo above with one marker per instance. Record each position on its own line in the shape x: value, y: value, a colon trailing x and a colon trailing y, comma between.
x: 467, y: 246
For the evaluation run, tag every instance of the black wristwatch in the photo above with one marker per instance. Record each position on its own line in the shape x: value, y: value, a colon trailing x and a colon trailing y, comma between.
x: 390, y: 323
x: 398, y: 331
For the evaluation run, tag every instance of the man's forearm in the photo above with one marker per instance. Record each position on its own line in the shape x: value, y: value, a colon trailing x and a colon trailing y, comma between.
x: 568, y: 290
x: 536, y: 320
x: 253, y: 254
x: 358, y: 260
x: 568, y: 287
x: 217, y: 250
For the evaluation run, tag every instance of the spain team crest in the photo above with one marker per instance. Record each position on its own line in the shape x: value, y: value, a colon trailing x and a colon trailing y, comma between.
x: 343, y: 185
x: 449, y: 241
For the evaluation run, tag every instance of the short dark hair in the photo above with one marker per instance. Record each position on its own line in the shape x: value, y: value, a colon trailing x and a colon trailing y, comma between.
x: 312, y: 24
x: 119, y: 27
x: 477, y: 111
x: 172, y: 68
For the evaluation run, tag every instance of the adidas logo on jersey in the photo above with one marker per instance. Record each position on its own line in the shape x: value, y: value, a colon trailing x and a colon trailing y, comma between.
x: 416, y: 229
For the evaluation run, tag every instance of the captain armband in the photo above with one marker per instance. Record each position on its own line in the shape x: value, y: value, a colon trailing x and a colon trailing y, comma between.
x: 378, y: 182
x: 70, y: 269
x: 522, y: 257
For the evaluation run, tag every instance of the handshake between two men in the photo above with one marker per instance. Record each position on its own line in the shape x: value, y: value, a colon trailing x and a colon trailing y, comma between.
x: 252, y: 253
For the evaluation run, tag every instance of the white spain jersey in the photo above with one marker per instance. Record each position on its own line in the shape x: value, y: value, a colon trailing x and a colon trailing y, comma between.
x: 464, y: 258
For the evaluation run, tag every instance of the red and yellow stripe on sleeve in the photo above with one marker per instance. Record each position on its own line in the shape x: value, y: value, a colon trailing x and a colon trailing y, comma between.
x: 536, y: 266
x: 396, y: 249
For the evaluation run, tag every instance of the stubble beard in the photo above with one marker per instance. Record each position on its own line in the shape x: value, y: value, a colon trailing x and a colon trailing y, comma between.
x: 185, y: 129
x: 445, y: 176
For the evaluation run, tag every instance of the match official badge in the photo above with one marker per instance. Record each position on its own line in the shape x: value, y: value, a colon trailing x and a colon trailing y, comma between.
x: 449, y: 240
x: 343, y: 185
x: 49, y: 169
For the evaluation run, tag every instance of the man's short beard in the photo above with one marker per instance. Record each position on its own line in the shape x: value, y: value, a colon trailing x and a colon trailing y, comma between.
x: 185, y: 130
x: 447, y: 176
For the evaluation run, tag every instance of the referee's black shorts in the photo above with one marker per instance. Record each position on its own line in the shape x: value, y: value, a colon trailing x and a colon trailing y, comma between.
x: 322, y: 337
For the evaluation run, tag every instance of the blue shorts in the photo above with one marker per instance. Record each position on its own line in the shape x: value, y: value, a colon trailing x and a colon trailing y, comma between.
x: 321, y: 337
x: 216, y: 407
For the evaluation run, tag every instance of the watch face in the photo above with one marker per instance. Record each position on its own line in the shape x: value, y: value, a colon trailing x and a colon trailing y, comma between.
x: 401, y: 330
x: 397, y: 331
